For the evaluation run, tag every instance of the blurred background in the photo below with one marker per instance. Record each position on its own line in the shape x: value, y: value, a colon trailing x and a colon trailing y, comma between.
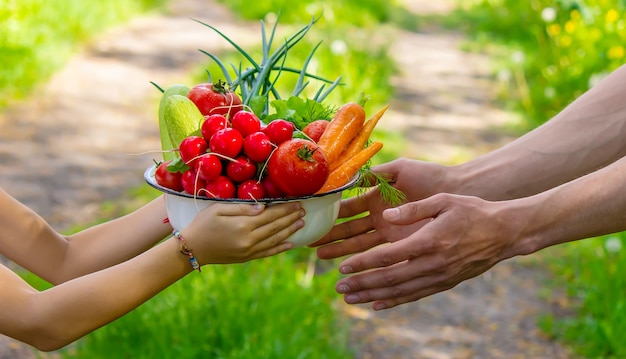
x: 78, y: 124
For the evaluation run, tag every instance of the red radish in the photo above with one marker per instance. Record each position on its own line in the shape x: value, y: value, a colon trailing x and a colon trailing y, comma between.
x: 227, y: 142
x: 251, y: 189
x: 271, y: 189
x: 191, y: 148
x: 241, y: 169
x: 209, y: 167
x: 279, y: 131
x: 257, y: 146
x: 192, y: 184
x: 245, y: 122
x: 221, y: 187
x: 212, y: 124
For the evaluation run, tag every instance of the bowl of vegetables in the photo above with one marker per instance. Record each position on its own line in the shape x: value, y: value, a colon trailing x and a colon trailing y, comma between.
x: 221, y: 141
x: 321, y: 209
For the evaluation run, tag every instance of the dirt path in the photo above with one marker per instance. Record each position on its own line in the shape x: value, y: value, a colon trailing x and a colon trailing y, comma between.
x: 90, y: 123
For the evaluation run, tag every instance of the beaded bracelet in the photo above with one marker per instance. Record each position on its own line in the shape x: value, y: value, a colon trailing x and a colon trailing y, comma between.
x: 186, y: 251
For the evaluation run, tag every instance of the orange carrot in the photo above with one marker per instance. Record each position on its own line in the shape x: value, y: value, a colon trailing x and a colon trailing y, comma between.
x: 344, y: 126
x: 360, y: 140
x: 342, y: 174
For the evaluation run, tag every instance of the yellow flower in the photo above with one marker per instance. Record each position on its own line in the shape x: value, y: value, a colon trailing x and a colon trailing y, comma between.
x: 574, y: 14
x: 554, y: 29
x: 612, y: 16
x: 570, y: 27
x: 616, y: 52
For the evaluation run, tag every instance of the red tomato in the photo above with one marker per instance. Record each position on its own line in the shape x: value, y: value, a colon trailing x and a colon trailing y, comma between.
x: 221, y: 187
x: 279, y: 131
x: 298, y: 167
x: 240, y: 170
x: 191, y: 148
x: 315, y: 129
x: 215, y: 98
x: 251, y: 189
x: 257, y: 146
x: 209, y: 167
x: 212, y: 124
x: 192, y: 183
x: 227, y: 142
x: 245, y: 122
x: 168, y: 179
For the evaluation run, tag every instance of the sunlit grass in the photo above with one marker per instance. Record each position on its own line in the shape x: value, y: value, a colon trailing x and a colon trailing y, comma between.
x: 38, y: 36
x: 592, y: 271
x: 270, y: 308
x: 550, y: 52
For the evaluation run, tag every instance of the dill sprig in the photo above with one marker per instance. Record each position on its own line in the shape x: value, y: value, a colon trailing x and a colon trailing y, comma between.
x: 389, y: 194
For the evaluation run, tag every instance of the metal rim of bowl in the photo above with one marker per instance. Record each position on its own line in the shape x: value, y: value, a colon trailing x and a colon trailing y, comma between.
x: 150, y: 180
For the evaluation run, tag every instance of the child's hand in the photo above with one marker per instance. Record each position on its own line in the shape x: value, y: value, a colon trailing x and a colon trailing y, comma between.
x: 235, y: 233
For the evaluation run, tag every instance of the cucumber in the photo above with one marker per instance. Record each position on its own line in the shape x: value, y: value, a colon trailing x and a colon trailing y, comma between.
x: 166, y: 143
x: 181, y: 119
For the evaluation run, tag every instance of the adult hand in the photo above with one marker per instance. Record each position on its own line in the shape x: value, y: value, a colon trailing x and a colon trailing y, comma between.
x: 463, y: 237
x: 368, y: 229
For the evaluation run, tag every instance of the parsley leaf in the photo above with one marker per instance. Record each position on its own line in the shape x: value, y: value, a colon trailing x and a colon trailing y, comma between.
x: 300, y: 111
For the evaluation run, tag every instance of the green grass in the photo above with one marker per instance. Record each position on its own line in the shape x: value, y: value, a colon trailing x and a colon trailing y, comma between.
x: 356, y: 13
x: 270, y: 308
x: 39, y: 36
x: 548, y: 52
x: 593, y: 274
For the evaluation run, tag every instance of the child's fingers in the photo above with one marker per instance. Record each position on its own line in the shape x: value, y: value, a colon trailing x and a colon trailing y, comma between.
x: 269, y: 239
x: 278, y: 224
x: 273, y: 250
x: 237, y: 209
x: 263, y: 214
x: 274, y: 213
x: 275, y: 243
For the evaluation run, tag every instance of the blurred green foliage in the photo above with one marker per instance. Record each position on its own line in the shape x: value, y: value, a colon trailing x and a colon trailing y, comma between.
x: 551, y: 51
x: 592, y: 271
x: 358, y: 13
x: 269, y: 308
x: 38, y: 36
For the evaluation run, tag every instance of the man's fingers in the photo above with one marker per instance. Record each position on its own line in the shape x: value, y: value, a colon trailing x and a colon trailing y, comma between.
x: 353, y: 245
x: 392, y: 286
x: 346, y: 230
x: 413, y: 212
x: 353, y: 206
x: 377, y: 257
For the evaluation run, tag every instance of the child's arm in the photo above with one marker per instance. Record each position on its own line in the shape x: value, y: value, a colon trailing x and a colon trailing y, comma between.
x: 48, y: 320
